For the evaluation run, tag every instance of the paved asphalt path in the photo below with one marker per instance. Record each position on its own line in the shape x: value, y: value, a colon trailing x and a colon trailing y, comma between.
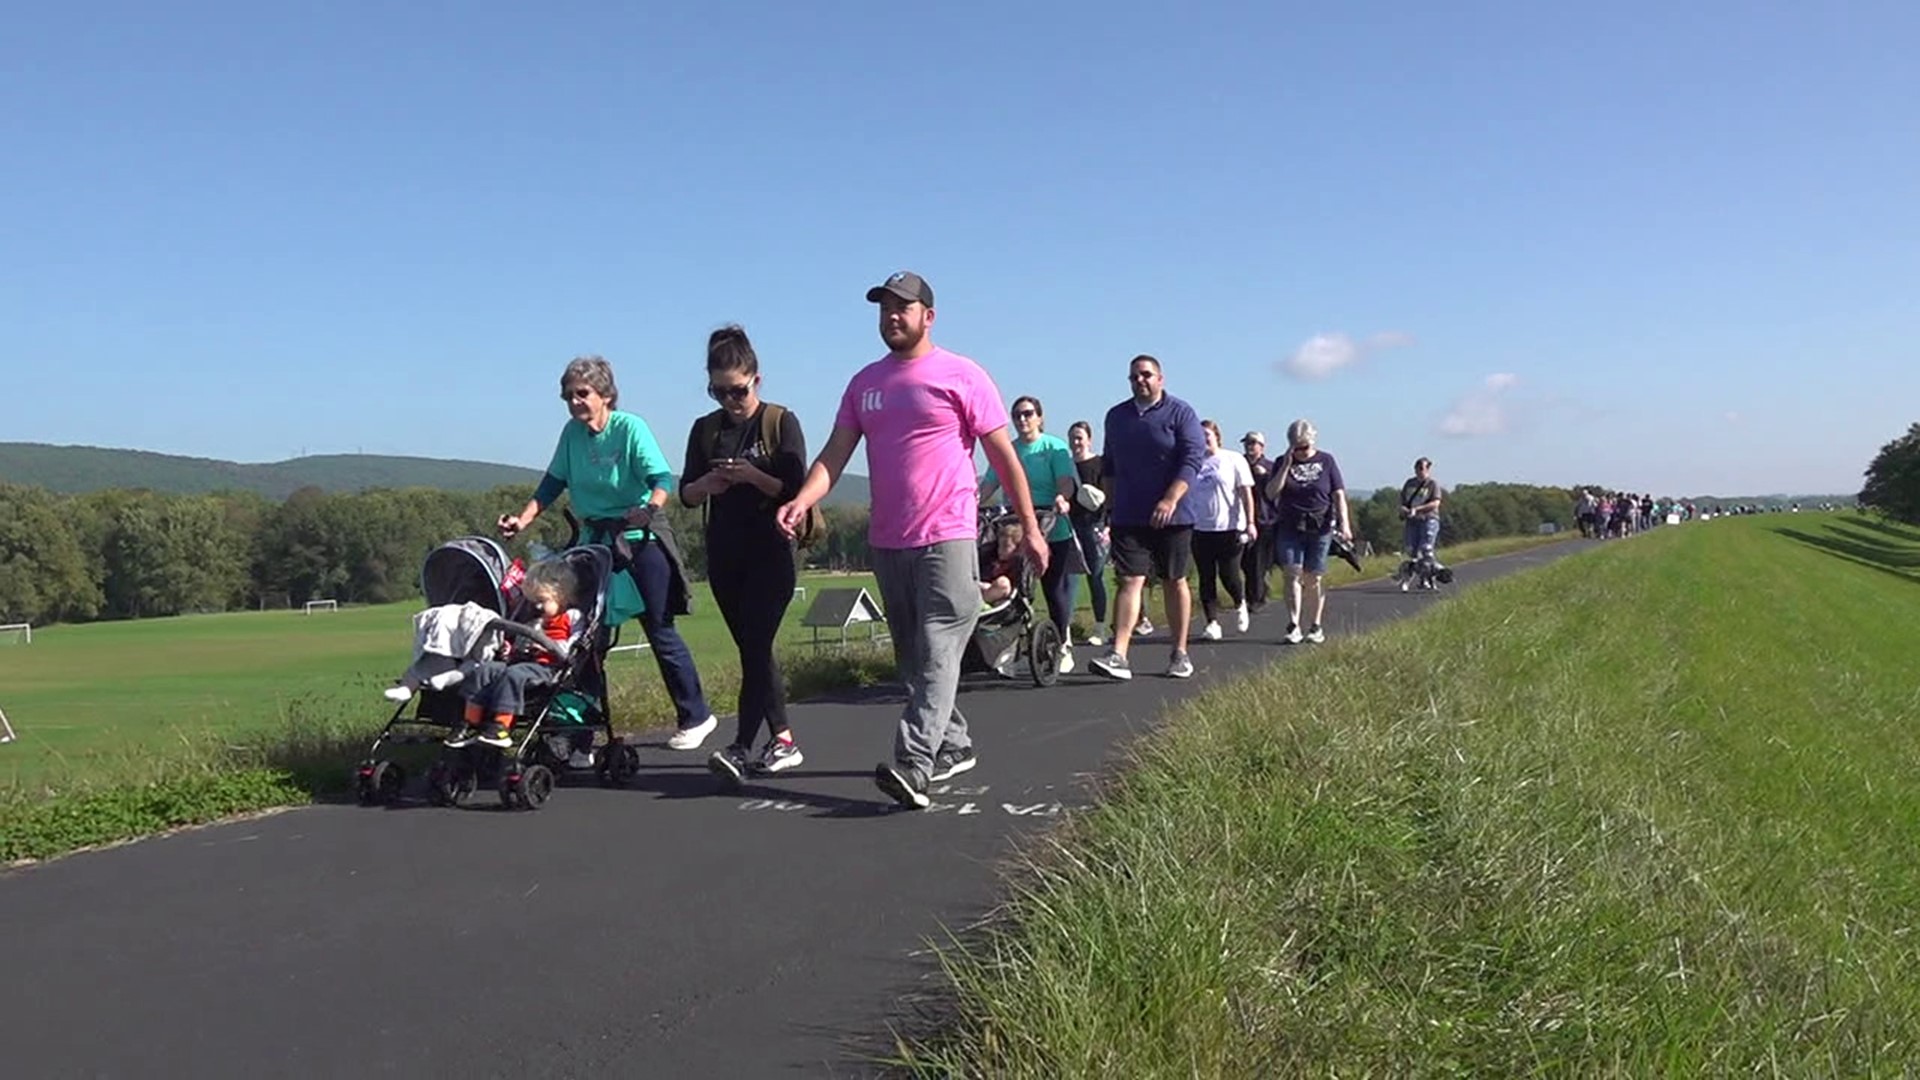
x: 663, y: 930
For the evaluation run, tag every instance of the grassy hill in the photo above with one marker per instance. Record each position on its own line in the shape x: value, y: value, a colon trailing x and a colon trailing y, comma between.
x: 1647, y: 811
x: 73, y: 470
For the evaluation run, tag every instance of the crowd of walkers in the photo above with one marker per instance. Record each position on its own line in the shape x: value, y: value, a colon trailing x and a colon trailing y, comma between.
x: 1610, y: 515
x: 1159, y: 496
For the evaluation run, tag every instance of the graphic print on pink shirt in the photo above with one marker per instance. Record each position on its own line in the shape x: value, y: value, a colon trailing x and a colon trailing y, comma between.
x: 921, y: 420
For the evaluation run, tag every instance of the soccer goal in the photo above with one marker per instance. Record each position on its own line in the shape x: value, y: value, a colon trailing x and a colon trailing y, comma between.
x: 320, y: 605
x: 17, y: 633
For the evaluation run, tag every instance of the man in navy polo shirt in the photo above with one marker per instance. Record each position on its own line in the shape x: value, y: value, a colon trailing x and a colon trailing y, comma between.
x: 1153, y: 451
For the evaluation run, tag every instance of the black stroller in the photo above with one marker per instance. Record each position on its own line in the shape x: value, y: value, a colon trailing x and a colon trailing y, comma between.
x: 573, y: 708
x: 1012, y: 630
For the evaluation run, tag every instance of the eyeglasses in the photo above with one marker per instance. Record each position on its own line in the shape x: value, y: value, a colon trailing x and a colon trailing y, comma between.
x: 578, y: 393
x: 730, y: 393
x: 1024, y: 414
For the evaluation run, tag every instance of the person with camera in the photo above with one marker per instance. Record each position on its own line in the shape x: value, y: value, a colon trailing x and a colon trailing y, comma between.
x: 1311, y: 499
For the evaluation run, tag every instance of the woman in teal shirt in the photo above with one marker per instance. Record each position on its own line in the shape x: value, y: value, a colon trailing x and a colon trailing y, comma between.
x: 1050, y: 471
x: 611, y: 464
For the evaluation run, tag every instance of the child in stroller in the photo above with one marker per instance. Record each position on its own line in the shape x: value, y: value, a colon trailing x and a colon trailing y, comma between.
x: 1008, y: 629
x: 497, y: 688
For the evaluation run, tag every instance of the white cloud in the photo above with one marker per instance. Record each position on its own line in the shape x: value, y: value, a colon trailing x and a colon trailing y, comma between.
x: 1321, y: 355
x: 1483, y: 411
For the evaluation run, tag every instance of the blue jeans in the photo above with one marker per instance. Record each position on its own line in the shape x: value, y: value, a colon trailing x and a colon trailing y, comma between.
x: 1096, y: 569
x: 653, y: 574
x: 1420, y: 536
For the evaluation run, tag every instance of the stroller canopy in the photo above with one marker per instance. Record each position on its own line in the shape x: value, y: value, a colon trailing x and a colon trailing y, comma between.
x: 472, y: 569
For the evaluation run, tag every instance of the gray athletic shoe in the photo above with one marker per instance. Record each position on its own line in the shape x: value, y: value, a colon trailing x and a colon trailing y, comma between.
x: 1180, y: 667
x: 1113, y: 666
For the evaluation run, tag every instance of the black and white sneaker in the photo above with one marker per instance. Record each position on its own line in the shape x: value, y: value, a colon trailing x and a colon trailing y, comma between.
x: 1292, y: 636
x: 778, y: 756
x: 949, y: 763
x: 903, y: 784
x: 464, y: 735
x: 729, y: 763
x: 1315, y: 635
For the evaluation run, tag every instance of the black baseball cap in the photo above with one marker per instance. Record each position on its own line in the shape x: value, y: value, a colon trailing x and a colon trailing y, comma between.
x: 906, y: 285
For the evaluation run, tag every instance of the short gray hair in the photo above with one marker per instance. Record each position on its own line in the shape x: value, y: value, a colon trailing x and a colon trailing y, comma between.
x: 1302, y: 431
x: 593, y: 370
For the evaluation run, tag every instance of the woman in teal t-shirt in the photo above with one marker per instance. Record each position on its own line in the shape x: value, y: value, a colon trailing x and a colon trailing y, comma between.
x: 612, y: 466
x: 1050, y: 472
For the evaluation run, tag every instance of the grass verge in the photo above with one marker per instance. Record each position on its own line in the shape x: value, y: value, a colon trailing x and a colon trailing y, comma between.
x: 1648, y: 811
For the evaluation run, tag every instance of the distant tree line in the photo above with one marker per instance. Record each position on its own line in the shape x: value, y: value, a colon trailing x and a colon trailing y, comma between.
x: 1893, y: 479
x: 1469, y: 512
x: 121, y: 554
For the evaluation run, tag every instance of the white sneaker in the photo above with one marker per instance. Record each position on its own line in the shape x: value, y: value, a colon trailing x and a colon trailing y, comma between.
x: 1097, y: 636
x: 1066, y: 660
x: 1242, y: 620
x: 1212, y: 632
x: 1145, y: 629
x: 1293, y: 636
x: 397, y: 693
x: 691, y: 738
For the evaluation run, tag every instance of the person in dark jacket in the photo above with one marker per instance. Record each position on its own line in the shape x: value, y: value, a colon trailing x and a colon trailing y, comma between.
x: 1151, y: 453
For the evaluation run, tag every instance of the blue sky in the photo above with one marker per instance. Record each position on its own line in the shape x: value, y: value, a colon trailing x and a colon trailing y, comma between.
x: 1667, y: 247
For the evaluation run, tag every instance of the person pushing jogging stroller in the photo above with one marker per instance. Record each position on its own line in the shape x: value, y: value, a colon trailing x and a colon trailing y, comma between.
x: 1420, y: 499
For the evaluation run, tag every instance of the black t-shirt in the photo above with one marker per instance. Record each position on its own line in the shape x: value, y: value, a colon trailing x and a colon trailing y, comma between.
x: 1089, y: 472
x: 742, y: 514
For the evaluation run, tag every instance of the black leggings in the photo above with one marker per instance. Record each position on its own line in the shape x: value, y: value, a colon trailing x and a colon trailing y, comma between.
x: 753, y: 586
x: 1218, y: 556
x: 1057, y: 586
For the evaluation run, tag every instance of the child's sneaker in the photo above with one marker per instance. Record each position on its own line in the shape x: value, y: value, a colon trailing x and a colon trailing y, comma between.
x: 462, y: 735
x: 779, y: 755
x: 497, y: 734
x: 399, y: 693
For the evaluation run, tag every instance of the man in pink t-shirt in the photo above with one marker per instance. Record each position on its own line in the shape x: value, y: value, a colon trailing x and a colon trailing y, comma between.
x: 921, y: 410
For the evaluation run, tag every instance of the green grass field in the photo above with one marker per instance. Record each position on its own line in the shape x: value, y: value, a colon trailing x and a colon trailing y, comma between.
x: 100, y: 702
x: 132, y: 727
x: 1649, y: 811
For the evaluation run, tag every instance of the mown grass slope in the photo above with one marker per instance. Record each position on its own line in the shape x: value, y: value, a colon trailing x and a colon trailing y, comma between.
x: 1649, y: 811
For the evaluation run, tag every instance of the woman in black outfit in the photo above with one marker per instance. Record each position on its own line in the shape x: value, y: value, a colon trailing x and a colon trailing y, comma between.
x: 744, y: 460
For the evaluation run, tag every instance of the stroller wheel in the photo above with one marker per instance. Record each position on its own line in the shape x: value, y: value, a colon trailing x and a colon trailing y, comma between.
x: 619, y: 763
x: 378, y: 783
x: 448, y: 784
x: 527, y: 788
x: 1043, y: 653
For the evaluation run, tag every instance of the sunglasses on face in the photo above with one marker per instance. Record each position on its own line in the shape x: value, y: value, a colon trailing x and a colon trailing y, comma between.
x: 1139, y: 376
x: 730, y: 393
x: 1024, y: 414
x: 578, y: 393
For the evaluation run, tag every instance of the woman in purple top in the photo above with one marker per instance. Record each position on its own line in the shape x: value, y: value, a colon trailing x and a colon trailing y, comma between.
x: 1312, y: 503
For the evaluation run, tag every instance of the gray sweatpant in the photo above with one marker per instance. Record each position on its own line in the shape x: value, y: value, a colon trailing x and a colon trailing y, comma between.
x: 932, y: 597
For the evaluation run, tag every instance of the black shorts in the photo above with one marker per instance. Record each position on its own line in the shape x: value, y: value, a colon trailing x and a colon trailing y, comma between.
x: 1144, y: 551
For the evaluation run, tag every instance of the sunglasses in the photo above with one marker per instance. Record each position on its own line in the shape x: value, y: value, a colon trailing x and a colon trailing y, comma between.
x: 730, y: 393
x: 1024, y: 414
x: 578, y: 393
x: 1139, y: 376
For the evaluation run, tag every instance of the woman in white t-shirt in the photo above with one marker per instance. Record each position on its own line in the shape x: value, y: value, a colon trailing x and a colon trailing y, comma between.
x: 1220, y: 504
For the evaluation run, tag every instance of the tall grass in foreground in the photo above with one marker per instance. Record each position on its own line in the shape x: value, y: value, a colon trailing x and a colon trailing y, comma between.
x: 1648, y: 811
